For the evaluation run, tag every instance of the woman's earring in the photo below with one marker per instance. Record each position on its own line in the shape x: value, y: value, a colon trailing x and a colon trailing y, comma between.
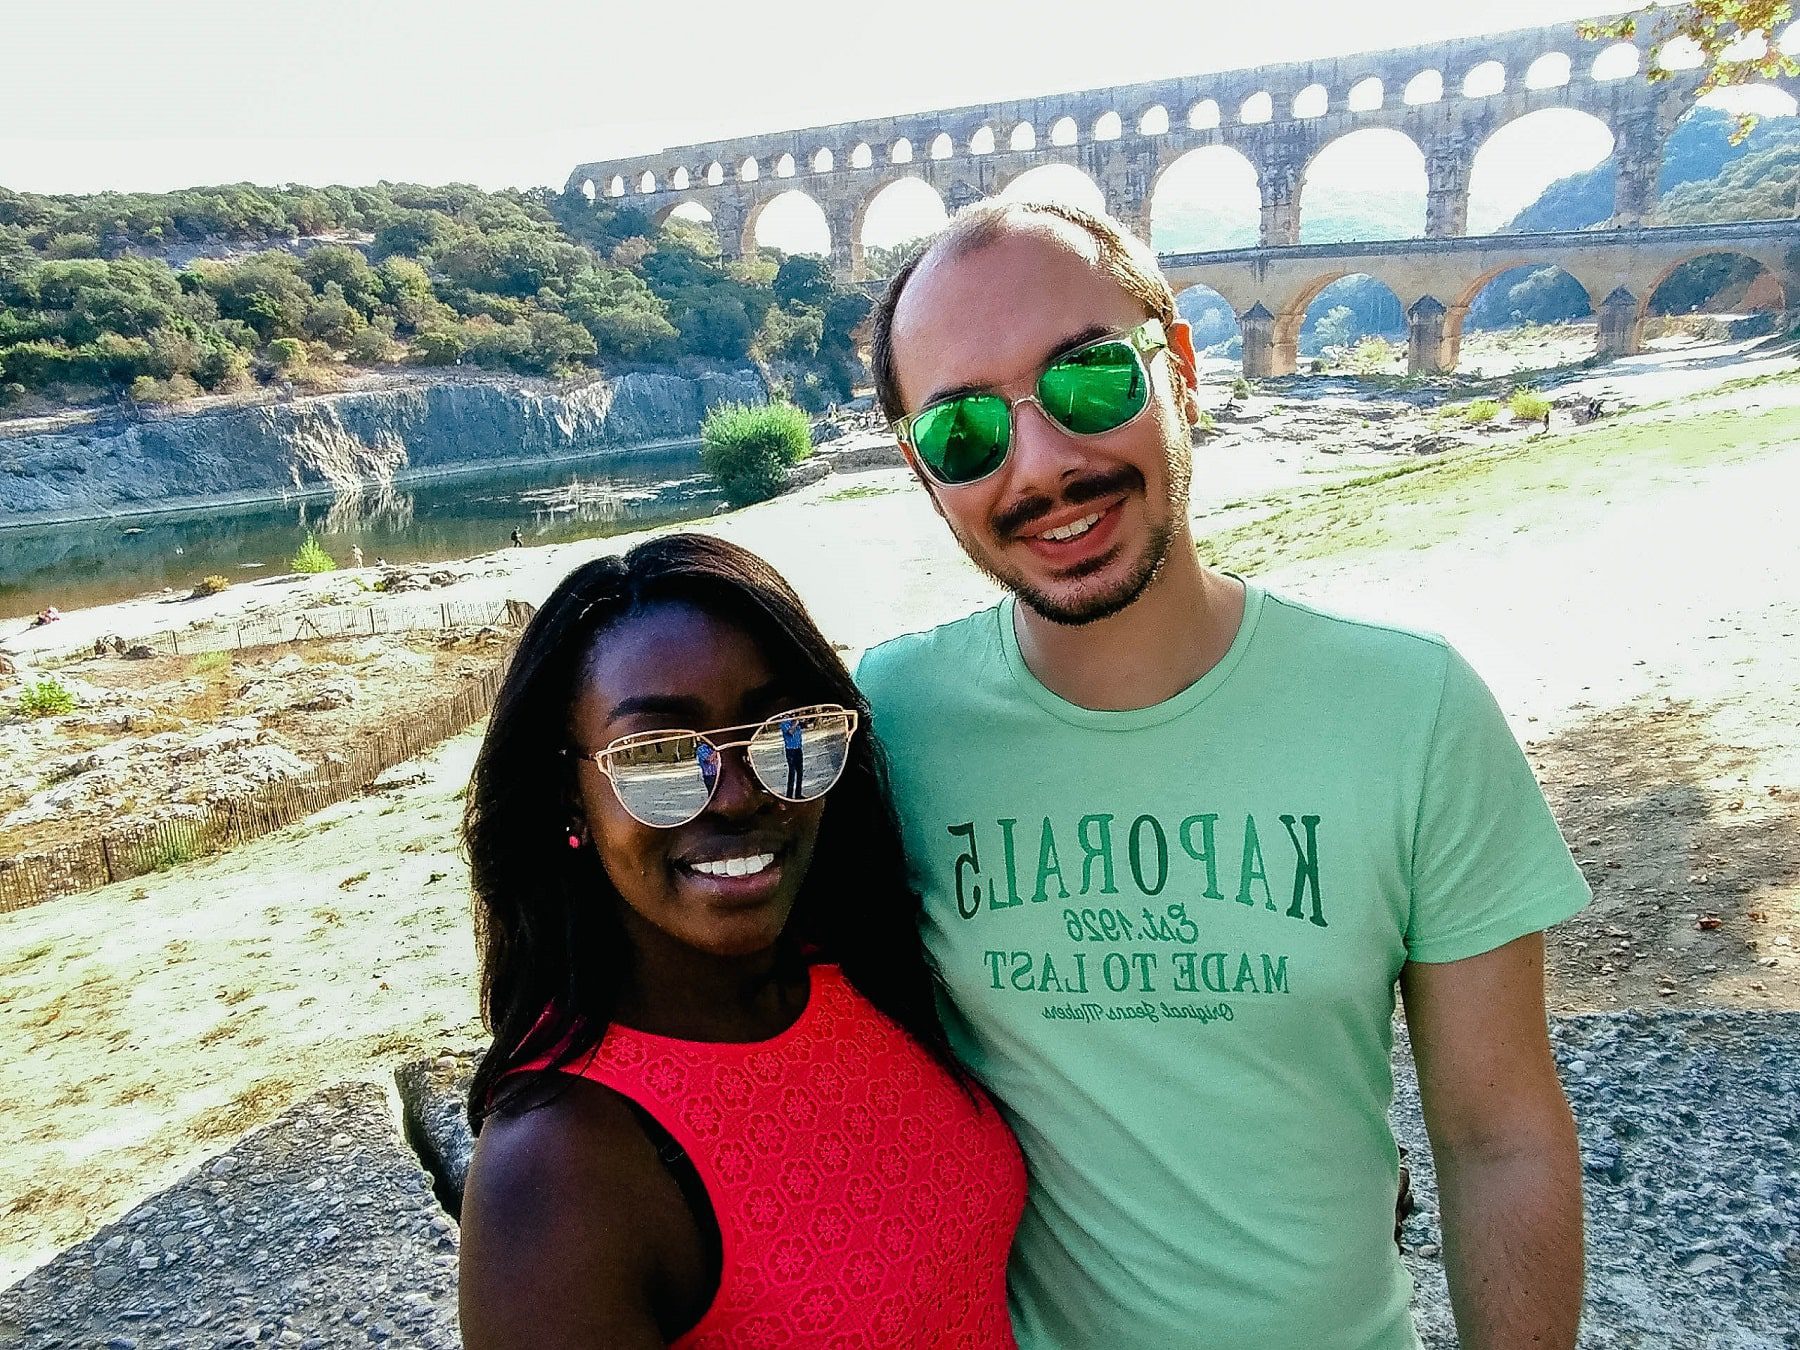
x: 574, y: 839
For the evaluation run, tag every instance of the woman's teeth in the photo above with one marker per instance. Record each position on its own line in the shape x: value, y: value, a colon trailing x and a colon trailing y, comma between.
x: 734, y: 867
x: 1073, y: 528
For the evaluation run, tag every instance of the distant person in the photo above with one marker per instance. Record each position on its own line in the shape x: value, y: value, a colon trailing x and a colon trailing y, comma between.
x: 793, y: 745
x: 356, y: 555
x: 518, y: 540
x: 709, y: 763
x: 719, y: 1109
x: 1181, y: 840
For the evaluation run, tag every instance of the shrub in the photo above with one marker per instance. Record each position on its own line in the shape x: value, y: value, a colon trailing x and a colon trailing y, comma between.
x: 288, y: 354
x: 211, y: 585
x: 312, y: 558
x: 1240, y: 387
x: 748, y: 448
x: 1528, y: 405
x: 1481, y: 410
x: 45, y: 698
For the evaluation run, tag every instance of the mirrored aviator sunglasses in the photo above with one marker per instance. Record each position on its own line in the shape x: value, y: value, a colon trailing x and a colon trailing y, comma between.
x: 667, y: 778
x: 1096, y: 388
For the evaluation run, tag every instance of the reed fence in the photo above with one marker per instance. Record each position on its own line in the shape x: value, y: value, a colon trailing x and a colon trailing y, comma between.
x: 340, y: 621
x: 120, y: 854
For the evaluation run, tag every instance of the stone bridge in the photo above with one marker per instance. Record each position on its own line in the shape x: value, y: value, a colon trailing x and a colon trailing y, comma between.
x: 1447, y: 97
x: 1437, y: 280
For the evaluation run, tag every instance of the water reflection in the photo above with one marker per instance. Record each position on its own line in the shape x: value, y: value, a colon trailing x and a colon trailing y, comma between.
x: 95, y: 561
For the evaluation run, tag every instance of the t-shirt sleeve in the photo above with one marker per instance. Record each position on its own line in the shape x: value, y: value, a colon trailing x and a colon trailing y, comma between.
x: 1489, y: 863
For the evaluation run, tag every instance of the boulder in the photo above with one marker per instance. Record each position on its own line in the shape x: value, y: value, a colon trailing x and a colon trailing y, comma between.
x: 433, y: 1097
x: 318, y: 1230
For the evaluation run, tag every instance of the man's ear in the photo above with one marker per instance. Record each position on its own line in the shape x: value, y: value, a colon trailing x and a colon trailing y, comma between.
x: 918, y: 472
x: 1181, y: 352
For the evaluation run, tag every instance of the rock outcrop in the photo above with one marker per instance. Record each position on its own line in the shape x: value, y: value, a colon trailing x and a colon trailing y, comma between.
x: 318, y: 1230
x: 362, y: 439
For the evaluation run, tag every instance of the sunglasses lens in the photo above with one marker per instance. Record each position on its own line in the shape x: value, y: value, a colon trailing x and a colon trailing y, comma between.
x: 1096, y: 389
x: 664, y: 781
x: 799, y: 755
x: 963, y: 439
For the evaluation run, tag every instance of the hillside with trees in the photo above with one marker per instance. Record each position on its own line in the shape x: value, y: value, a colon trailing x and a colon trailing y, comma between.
x: 299, y: 287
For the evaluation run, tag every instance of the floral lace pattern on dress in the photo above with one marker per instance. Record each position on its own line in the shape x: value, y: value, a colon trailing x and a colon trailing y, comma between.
x: 864, y: 1203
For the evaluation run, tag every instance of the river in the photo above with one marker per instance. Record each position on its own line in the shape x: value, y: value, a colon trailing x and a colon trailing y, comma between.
x: 93, y: 562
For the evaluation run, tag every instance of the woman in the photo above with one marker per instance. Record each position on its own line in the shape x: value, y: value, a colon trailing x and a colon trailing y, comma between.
x: 719, y: 1109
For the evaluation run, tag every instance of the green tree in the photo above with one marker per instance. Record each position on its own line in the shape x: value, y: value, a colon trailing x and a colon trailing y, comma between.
x: 748, y: 448
x: 1736, y: 38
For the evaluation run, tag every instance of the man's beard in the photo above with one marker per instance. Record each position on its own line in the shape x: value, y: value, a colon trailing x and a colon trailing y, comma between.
x: 1086, y: 608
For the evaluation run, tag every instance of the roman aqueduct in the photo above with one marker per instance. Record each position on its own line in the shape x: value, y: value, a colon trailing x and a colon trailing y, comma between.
x: 1448, y: 98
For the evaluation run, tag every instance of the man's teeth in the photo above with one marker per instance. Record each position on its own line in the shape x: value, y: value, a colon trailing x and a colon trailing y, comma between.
x: 734, y: 867
x: 1073, y: 528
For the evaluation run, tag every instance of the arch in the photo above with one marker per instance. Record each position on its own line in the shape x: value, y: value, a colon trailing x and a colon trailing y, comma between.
x: 1024, y: 137
x: 688, y: 210
x: 1366, y: 95
x: 941, y: 146
x: 861, y: 157
x: 1063, y: 131
x: 1312, y: 101
x: 824, y: 160
x: 1789, y: 42
x: 1714, y: 281
x: 749, y: 171
x: 900, y: 152
x: 1204, y: 115
x: 899, y: 212
x: 1154, y: 122
x: 1341, y: 310
x: 1056, y: 183
x: 715, y: 173
x: 982, y: 142
x: 1764, y: 100
x: 1484, y: 80
x: 1258, y: 108
x: 1108, y: 127
x: 616, y: 188
x: 646, y: 182
x: 790, y: 221
x: 1336, y: 204
x: 784, y: 167
x: 1206, y: 199
x: 1514, y: 165
x: 587, y: 189
x: 1679, y: 53
x: 1524, y: 292
x: 679, y: 179
x: 1425, y: 87
x: 1549, y: 71
x: 1618, y: 62
x: 1218, y: 337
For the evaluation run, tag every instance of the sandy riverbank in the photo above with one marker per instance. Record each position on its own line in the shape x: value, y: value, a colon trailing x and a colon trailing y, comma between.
x: 1639, y: 625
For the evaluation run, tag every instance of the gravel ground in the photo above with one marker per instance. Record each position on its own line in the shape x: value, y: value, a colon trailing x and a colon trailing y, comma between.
x: 316, y: 1231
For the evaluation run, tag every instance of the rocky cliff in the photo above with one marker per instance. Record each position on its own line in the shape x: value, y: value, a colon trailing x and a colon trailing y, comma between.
x: 332, y: 442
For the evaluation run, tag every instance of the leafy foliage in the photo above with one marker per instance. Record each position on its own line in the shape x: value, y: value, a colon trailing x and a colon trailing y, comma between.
x: 45, y: 698
x: 95, y: 297
x: 312, y: 558
x: 1527, y: 405
x: 1736, y: 39
x: 748, y: 448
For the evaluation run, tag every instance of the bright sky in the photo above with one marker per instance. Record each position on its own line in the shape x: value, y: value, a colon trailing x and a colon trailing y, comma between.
x: 158, y: 94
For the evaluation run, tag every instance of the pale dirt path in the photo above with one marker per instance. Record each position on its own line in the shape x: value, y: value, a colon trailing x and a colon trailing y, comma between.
x: 147, y: 1024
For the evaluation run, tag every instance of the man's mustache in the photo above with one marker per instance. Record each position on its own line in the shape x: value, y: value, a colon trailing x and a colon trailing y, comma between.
x: 1022, y: 513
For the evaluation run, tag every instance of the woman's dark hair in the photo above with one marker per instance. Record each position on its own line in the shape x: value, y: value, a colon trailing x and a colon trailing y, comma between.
x: 552, y: 948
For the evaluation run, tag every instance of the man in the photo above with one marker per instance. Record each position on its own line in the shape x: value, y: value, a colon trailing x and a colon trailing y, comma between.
x: 1180, y: 838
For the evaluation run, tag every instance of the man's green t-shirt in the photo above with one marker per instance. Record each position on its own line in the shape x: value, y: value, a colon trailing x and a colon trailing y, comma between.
x: 1171, y: 938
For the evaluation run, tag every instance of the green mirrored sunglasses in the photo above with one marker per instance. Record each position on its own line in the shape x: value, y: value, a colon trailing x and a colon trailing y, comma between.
x: 1096, y: 388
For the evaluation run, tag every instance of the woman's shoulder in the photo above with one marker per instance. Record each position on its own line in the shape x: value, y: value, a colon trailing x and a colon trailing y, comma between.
x: 569, y: 1215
